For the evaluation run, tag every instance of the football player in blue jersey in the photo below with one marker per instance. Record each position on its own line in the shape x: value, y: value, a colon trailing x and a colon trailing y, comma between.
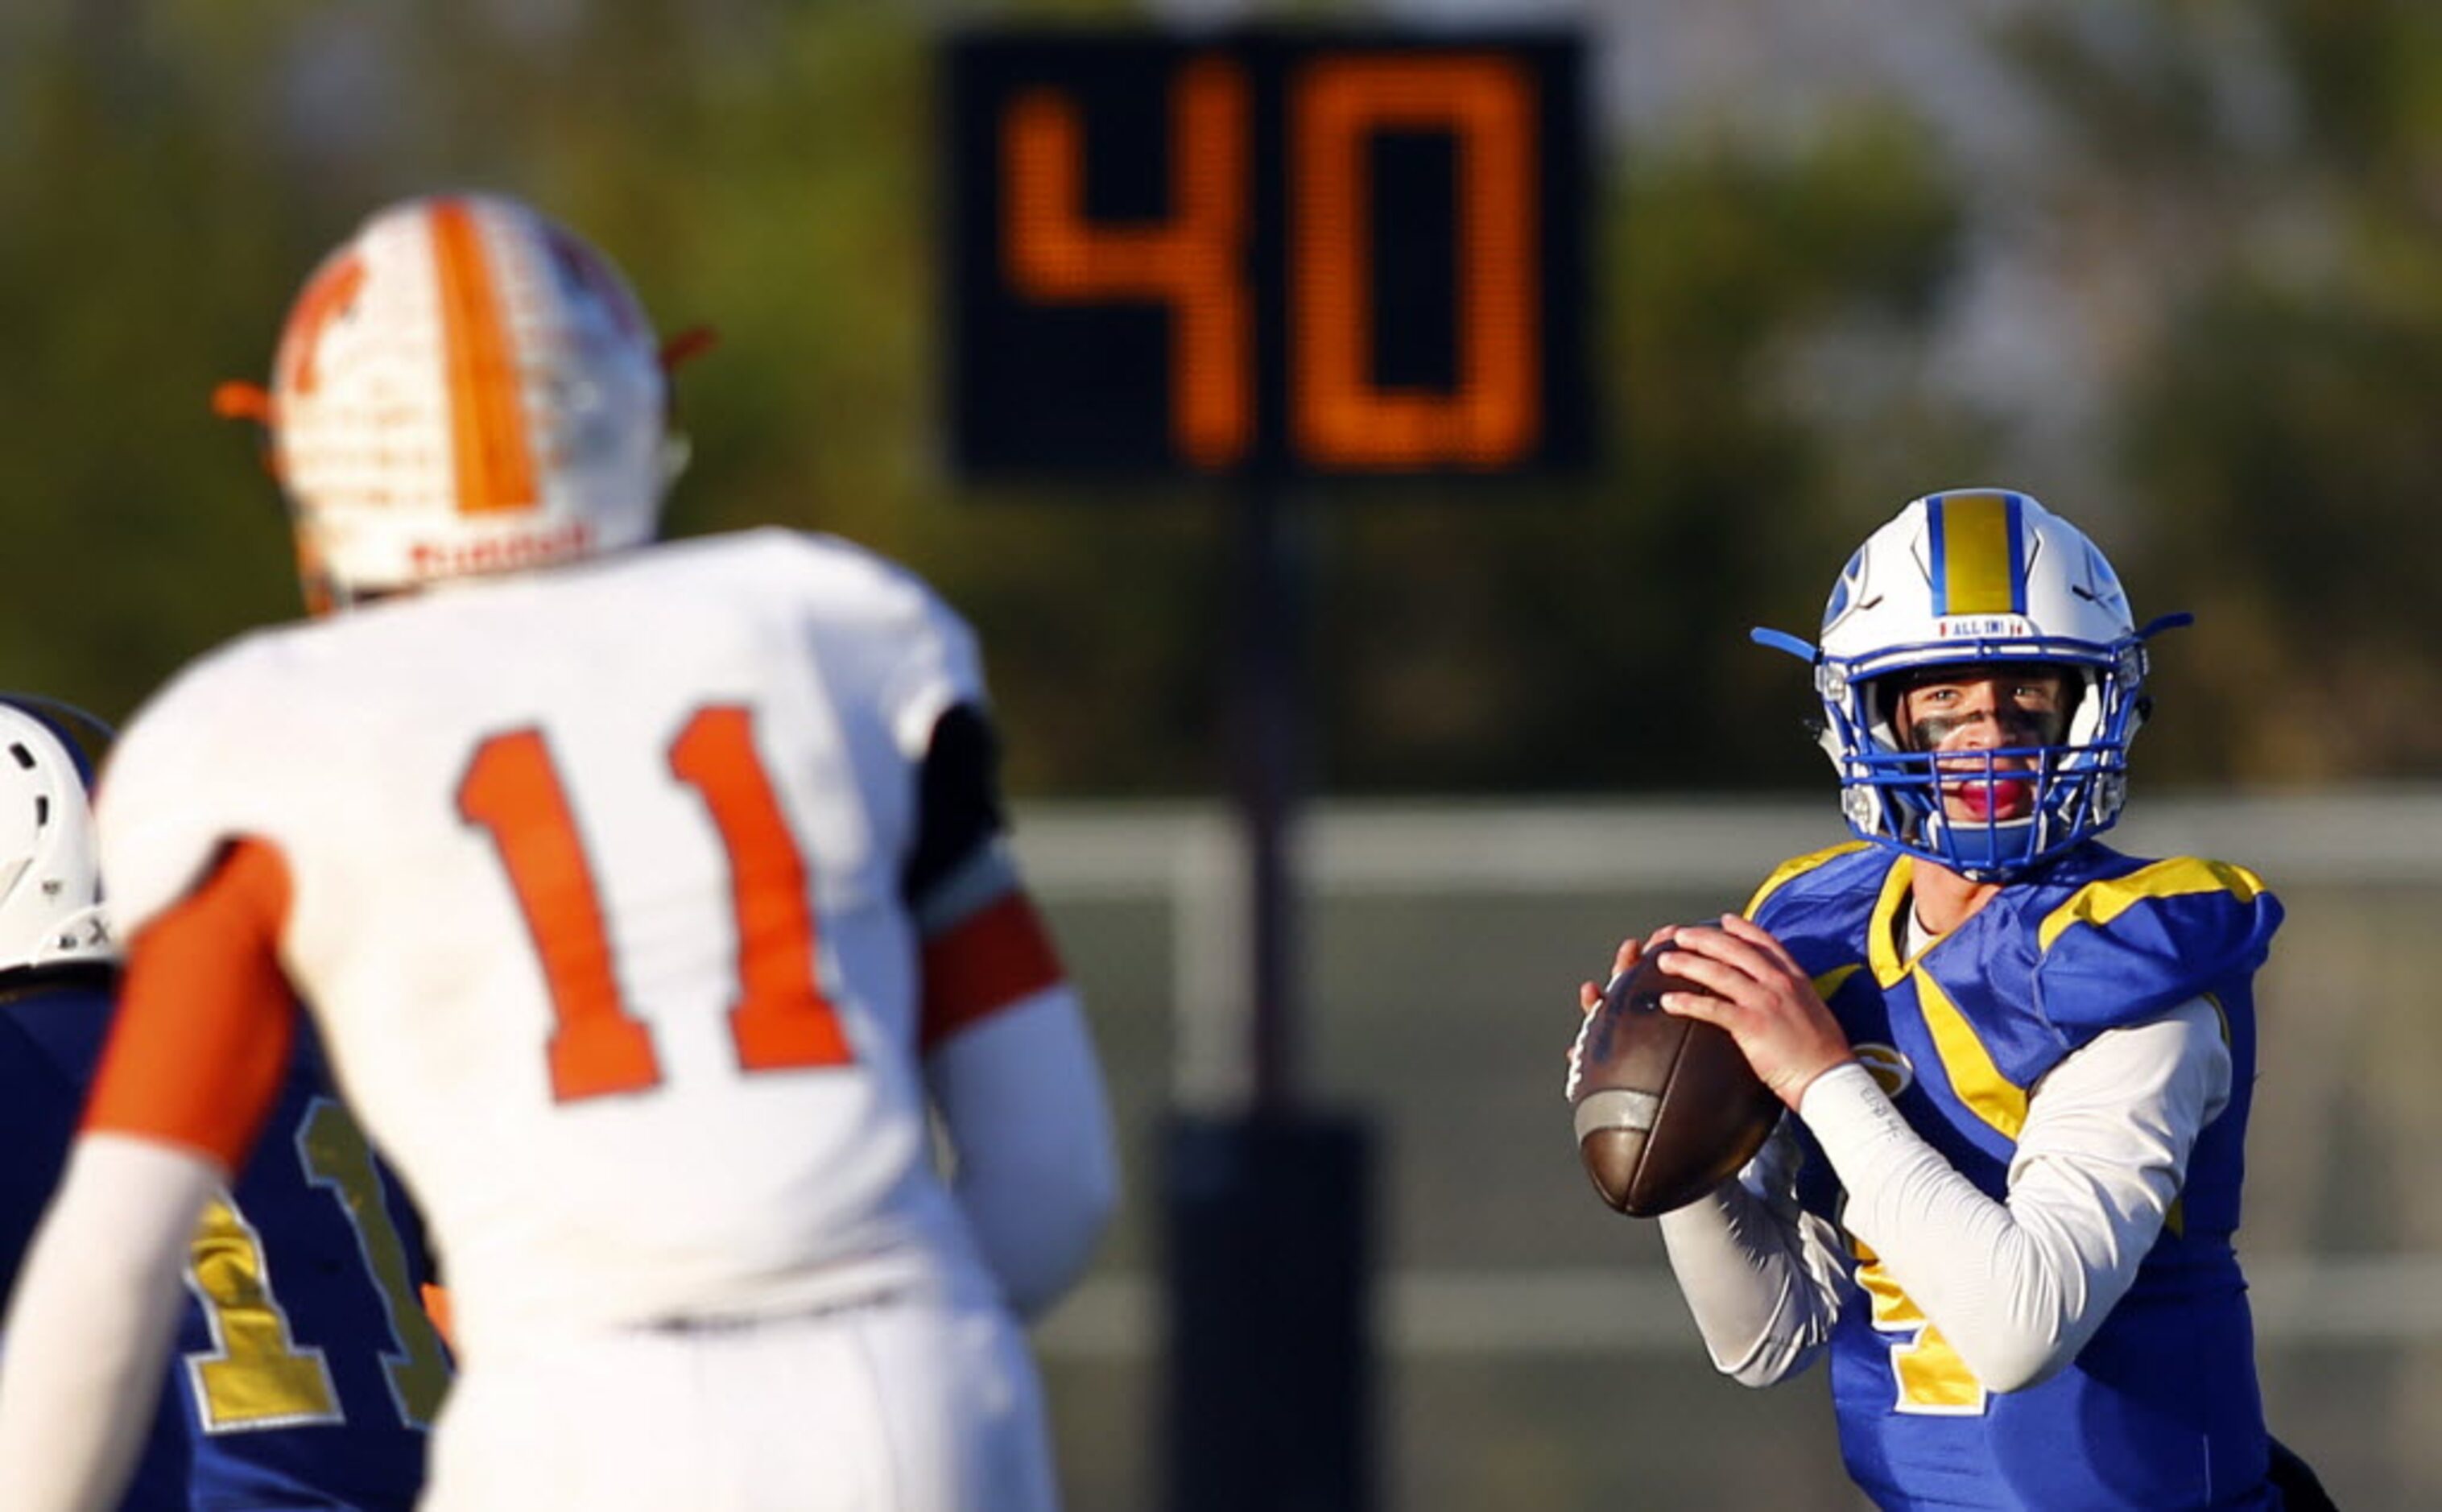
x: 2019, y: 1062
x: 306, y: 1367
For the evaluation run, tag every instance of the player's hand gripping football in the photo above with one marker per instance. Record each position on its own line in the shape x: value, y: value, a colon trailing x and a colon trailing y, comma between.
x: 1761, y: 996
x: 1590, y: 994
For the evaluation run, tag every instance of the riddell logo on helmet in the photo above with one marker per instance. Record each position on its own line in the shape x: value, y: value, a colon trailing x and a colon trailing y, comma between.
x: 500, y: 553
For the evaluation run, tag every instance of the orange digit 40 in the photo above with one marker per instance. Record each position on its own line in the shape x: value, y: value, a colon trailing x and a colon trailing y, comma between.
x: 512, y: 791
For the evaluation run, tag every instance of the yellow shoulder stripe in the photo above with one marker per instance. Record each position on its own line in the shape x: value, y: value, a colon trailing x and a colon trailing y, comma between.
x: 1979, y: 1084
x: 1798, y: 866
x: 2100, y: 902
x: 1883, y: 924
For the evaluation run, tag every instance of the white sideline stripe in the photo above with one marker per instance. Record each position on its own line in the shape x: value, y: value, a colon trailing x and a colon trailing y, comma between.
x: 2389, y: 1299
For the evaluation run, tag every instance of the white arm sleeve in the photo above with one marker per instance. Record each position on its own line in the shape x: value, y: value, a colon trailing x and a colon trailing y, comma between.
x: 91, y: 1318
x: 1021, y: 1097
x: 2018, y: 1286
x: 1763, y: 1277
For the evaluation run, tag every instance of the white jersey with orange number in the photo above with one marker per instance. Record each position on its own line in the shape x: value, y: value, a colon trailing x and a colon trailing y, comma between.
x: 593, y: 885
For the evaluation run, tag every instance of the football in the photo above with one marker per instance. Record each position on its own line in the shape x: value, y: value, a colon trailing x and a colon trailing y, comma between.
x: 1667, y: 1107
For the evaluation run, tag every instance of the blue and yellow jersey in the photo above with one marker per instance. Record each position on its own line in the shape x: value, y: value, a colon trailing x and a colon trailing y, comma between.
x: 39, y: 1101
x: 304, y: 1371
x: 2160, y: 1409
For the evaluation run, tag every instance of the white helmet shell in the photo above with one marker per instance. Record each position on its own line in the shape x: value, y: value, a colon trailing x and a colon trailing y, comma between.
x: 1974, y: 574
x: 50, y: 874
x: 463, y: 388
x: 1967, y: 577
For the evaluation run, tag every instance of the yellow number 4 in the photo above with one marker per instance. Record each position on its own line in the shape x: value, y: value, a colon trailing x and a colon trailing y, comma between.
x: 1931, y: 1378
x: 257, y: 1375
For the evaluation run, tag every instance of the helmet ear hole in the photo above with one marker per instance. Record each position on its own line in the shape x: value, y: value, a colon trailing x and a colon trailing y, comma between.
x: 1881, y: 697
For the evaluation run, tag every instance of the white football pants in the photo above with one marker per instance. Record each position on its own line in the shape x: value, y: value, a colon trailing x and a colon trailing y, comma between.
x: 910, y: 1405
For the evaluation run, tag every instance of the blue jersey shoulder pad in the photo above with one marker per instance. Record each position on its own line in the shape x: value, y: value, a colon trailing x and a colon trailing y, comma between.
x: 1803, y: 881
x: 2125, y: 948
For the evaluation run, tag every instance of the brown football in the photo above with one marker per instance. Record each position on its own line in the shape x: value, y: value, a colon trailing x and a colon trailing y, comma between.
x: 1666, y: 1108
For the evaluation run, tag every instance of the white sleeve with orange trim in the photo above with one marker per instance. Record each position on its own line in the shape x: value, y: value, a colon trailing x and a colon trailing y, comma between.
x: 1009, y: 1062
x: 205, y: 1014
x: 1009, y: 1065
x: 196, y: 1050
x: 161, y: 813
x: 91, y: 1322
x: 1021, y: 1097
x: 205, y: 1019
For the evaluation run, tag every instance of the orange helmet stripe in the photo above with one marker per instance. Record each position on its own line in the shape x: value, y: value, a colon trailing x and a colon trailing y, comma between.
x: 495, y: 464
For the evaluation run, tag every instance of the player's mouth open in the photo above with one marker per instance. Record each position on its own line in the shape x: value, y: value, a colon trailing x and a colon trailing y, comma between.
x: 1995, y: 798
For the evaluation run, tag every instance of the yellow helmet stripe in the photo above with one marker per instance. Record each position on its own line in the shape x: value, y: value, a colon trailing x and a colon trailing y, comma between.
x: 1978, y: 566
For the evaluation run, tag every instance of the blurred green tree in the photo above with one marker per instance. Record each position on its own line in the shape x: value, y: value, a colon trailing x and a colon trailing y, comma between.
x: 168, y: 173
x: 1593, y: 635
x: 2274, y: 166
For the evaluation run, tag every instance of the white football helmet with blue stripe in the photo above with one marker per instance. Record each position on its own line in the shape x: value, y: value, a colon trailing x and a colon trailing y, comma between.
x: 1979, y: 578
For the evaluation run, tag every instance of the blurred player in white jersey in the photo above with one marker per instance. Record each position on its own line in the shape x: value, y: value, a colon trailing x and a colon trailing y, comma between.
x: 644, y: 897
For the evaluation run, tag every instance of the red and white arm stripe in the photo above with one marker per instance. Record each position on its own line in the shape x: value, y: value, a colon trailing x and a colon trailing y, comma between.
x: 993, y: 956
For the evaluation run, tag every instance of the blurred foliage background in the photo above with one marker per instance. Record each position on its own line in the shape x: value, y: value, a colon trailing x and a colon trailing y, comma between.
x: 2232, y: 206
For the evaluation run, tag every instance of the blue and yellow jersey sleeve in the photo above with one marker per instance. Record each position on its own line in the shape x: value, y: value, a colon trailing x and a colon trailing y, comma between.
x: 2123, y: 949
x: 1818, y: 906
x: 1796, y: 882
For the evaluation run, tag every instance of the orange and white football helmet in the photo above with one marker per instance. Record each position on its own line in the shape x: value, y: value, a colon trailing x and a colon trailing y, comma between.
x: 463, y: 388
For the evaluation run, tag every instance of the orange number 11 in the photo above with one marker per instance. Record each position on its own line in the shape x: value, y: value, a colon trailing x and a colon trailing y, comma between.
x: 780, y: 1020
